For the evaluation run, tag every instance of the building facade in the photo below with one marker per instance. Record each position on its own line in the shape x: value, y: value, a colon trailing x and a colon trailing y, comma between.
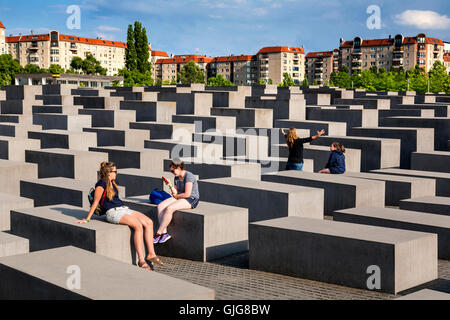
x: 320, y: 65
x: 2, y: 39
x: 168, y: 69
x: 447, y: 62
x: 241, y: 70
x: 400, y: 51
x: 275, y: 61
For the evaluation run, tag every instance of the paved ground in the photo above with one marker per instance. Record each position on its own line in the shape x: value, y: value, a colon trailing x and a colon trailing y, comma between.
x: 232, y: 280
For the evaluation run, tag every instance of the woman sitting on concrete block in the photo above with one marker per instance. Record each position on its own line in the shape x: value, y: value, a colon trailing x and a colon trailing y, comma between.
x: 336, y: 162
x: 295, y: 144
x: 107, y: 192
x: 185, y: 195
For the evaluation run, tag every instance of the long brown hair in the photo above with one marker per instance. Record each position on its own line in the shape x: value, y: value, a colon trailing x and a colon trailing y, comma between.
x: 338, y: 146
x: 105, y: 169
x: 291, y: 137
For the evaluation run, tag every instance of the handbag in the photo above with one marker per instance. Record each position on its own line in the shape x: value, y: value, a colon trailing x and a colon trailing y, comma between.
x: 99, y: 211
x: 157, y: 196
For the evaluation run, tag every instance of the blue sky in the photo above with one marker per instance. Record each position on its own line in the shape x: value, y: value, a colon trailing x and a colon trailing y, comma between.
x: 224, y: 27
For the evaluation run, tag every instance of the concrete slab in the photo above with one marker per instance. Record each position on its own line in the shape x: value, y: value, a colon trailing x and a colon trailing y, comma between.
x: 12, y: 172
x: 62, y: 122
x: 442, y: 178
x: 107, y: 137
x: 208, y: 232
x: 258, y: 118
x: 398, y: 187
x: 63, y: 139
x: 426, y: 294
x: 12, y: 148
x: 402, y: 219
x: 339, y: 191
x: 45, y: 275
x: 273, y: 199
x: 307, y: 248
x: 10, y: 202
x: 431, y: 204
x: 11, y: 245
x: 76, y: 164
x: 431, y: 161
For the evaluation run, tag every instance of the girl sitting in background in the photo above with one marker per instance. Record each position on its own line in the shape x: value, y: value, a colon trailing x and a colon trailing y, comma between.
x: 336, y: 162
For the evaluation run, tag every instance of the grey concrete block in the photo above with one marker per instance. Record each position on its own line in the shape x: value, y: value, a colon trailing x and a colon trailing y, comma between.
x: 258, y: 118
x: 11, y: 245
x: 76, y: 164
x: 274, y: 164
x: 431, y: 161
x: 12, y: 148
x: 412, y: 139
x: 140, y: 158
x: 62, y: 122
x: 131, y: 138
x: 10, y: 202
x: 431, y: 204
x: 265, y: 200
x: 221, y: 168
x: 342, y: 253
x: 442, y: 178
x: 441, y: 127
x: 402, y: 219
x: 43, y: 276
x: 339, y: 191
x: 208, y: 232
x: 164, y: 130
x: 63, y: 139
x: 185, y: 148
x: 426, y: 294
x: 150, y: 111
x: 331, y: 128
x: 198, y: 103
x: 368, y: 103
x: 12, y: 172
x: 440, y: 110
x: 204, y: 123
x: 376, y: 153
x: 293, y: 109
x: 398, y: 188
x: 17, y: 130
x: 51, y: 191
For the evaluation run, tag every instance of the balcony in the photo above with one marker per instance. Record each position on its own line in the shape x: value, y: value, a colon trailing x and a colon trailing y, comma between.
x: 398, y: 49
x: 436, y: 49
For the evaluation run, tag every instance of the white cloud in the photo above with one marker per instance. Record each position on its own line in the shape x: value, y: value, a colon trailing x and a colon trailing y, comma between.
x: 108, y: 29
x: 423, y: 19
x: 260, y: 12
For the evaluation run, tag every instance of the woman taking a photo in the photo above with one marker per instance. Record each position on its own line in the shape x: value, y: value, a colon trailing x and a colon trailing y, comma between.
x: 117, y: 213
x: 295, y: 144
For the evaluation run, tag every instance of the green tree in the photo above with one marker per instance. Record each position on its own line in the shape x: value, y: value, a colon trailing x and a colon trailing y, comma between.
x: 76, y: 63
x: 219, y: 81
x: 55, y: 68
x: 90, y: 65
x: 158, y: 82
x: 130, y: 51
x: 261, y: 81
x: 135, y: 78
x: 191, y: 73
x: 287, y: 81
x: 305, y: 82
x: 32, y: 68
x: 270, y: 81
x: 418, y: 81
x: 438, y: 76
x: 8, y: 68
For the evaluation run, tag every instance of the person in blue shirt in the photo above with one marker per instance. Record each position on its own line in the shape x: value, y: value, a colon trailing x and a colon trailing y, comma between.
x: 336, y: 162
x: 118, y: 213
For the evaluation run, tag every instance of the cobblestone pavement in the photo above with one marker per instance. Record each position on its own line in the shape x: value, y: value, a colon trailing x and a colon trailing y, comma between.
x: 232, y: 280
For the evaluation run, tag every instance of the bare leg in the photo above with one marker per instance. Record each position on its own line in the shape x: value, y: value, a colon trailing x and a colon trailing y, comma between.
x: 135, y: 224
x: 162, y: 207
x: 147, y: 223
x: 180, y: 204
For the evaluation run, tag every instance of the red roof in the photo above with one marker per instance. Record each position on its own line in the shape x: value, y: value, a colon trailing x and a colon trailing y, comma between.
x: 159, y: 54
x: 198, y: 59
x: 280, y: 49
x: 99, y: 42
x: 233, y: 58
x: 389, y: 42
x: 319, y: 54
x: 35, y: 37
x: 2, y: 26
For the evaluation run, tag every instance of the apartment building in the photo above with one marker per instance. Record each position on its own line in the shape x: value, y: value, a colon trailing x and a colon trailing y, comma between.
x: 320, y: 65
x: 241, y: 70
x: 275, y: 61
x: 168, y: 69
x: 155, y: 56
x: 447, y: 61
x: 400, y: 51
x: 2, y: 39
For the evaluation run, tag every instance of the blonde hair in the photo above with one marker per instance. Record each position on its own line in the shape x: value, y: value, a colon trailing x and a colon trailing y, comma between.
x: 105, y: 169
x: 291, y: 137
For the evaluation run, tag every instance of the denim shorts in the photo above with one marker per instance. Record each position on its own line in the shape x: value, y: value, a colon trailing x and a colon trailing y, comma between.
x: 115, y: 214
x: 193, y: 202
x: 294, y: 166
